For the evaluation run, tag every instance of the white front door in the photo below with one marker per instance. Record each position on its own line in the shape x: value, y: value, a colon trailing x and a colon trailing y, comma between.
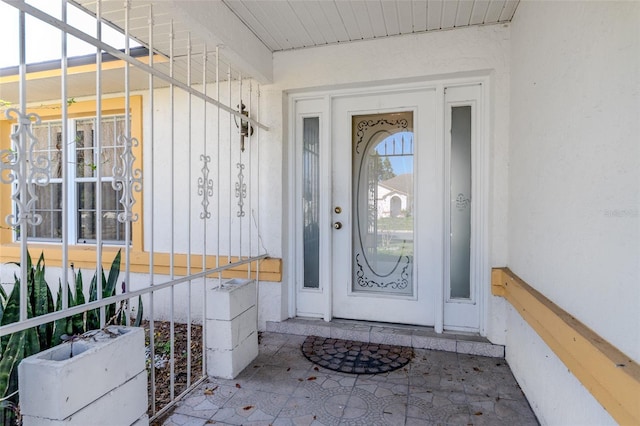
x: 387, y: 207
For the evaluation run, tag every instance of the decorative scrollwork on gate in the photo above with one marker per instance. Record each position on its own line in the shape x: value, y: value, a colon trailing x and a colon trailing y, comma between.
x: 25, y: 169
x: 241, y: 190
x: 205, y: 187
x: 127, y: 179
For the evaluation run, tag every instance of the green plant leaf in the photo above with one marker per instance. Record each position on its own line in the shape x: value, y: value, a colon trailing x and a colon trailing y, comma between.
x: 64, y: 325
x: 75, y: 324
x: 11, y: 312
x: 93, y: 316
x: 3, y: 294
x: 42, y: 302
x: 110, y: 288
x: 11, y: 357
x: 139, y: 315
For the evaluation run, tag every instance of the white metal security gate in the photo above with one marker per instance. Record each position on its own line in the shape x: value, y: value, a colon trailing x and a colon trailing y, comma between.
x: 184, y: 166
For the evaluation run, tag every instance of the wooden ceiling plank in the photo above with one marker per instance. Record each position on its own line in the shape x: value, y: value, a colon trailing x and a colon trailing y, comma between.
x: 494, y: 11
x: 480, y: 8
x: 405, y: 16
x: 335, y: 20
x: 463, y: 16
x: 263, y: 16
x: 390, y: 14
x: 449, y: 11
x: 290, y: 25
x: 314, y: 9
x: 349, y: 19
x: 376, y: 16
x: 509, y: 10
x: 421, y: 11
x: 362, y: 17
x: 308, y: 21
x: 434, y: 14
x: 250, y: 20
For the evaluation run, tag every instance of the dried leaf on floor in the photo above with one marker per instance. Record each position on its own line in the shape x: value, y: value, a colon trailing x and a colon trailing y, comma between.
x: 247, y: 408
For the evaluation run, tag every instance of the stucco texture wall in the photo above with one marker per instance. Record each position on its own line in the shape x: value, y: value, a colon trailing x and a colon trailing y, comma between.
x: 574, y: 183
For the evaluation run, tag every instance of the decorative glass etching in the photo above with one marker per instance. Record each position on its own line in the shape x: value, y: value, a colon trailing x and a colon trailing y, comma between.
x: 460, y: 193
x: 383, y: 203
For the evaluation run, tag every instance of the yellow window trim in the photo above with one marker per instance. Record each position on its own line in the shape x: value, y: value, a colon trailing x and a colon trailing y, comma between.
x: 110, y: 106
x: 83, y: 255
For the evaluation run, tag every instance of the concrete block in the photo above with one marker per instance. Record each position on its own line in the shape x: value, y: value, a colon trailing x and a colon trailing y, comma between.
x: 125, y: 405
x: 227, y: 364
x: 229, y: 334
x: 60, y: 382
x: 230, y: 300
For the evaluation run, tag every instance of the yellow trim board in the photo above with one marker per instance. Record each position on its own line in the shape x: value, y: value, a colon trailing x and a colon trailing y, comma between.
x: 611, y: 376
x: 84, y: 257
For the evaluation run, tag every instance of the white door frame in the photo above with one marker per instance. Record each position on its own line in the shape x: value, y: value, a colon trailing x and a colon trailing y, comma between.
x: 480, y: 216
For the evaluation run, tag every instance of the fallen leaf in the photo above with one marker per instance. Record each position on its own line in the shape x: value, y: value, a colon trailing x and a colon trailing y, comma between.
x: 312, y: 378
x: 477, y: 369
x: 301, y: 380
x: 249, y: 407
x: 316, y: 369
x: 289, y: 369
x: 238, y: 385
x: 315, y: 417
x: 208, y: 391
x: 478, y: 413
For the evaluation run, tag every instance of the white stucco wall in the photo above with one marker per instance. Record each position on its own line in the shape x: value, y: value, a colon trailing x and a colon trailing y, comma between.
x: 574, y: 184
x: 414, y: 57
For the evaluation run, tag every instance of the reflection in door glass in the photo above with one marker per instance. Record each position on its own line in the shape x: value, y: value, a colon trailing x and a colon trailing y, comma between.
x: 460, y: 202
x: 310, y: 200
x: 383, y: 203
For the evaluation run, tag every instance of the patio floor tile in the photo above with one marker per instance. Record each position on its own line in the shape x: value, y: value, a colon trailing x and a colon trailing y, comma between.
x: 282, y: 388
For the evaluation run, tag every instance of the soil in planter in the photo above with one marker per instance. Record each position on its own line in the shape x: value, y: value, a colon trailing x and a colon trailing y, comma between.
x: 162, y: 332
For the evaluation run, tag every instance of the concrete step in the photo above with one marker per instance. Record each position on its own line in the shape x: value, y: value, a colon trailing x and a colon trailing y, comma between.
x: 393, y: 334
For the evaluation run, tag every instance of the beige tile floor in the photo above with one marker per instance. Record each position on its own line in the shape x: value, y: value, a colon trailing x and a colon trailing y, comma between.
x: 281, y: 387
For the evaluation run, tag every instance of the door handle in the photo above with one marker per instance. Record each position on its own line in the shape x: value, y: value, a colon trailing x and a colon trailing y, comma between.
x: 337, y: 225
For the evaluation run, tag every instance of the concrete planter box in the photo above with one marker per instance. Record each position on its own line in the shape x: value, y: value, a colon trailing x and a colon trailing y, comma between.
x: 232, y: 335
x: 99, y: 379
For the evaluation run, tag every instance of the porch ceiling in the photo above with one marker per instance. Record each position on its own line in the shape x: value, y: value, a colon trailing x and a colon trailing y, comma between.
x: 249, y: 31
x: 293, y: 24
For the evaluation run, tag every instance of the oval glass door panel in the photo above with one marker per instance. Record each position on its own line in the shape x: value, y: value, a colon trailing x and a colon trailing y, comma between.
x: 383, y: 195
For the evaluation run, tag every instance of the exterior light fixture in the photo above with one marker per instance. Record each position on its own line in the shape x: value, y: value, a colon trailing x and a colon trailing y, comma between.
x: 245, y: 128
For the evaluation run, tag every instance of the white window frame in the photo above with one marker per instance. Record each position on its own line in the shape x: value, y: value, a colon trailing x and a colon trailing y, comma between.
x: 70, y: 210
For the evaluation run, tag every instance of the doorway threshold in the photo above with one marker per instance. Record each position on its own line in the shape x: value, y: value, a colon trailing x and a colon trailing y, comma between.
x: 416, y: 337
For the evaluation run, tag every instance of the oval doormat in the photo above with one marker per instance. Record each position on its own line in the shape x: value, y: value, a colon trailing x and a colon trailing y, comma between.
x: 349, y: 356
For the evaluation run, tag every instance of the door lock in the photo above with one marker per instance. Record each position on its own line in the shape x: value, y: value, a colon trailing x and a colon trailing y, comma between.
x: 338, y: 210
x: 337, y: 225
